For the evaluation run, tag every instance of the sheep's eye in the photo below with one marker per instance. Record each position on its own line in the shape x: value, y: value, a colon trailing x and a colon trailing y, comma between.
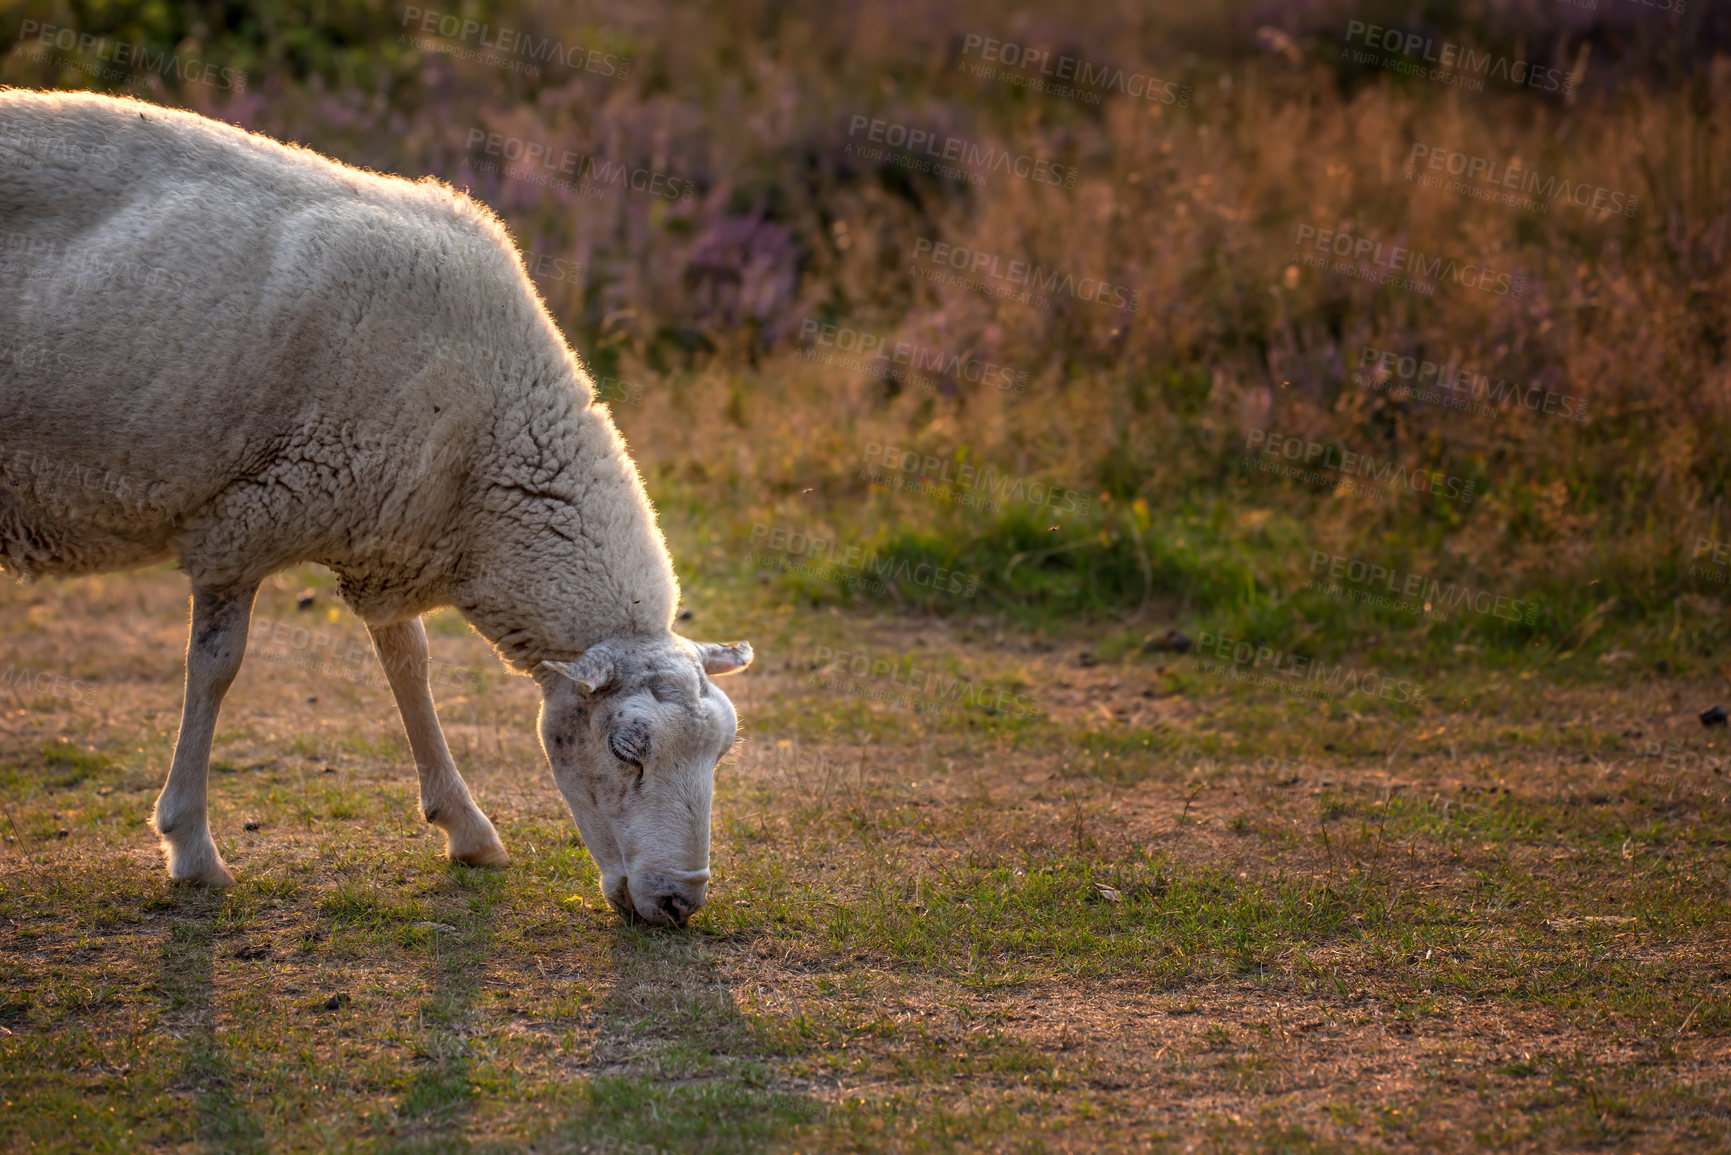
x: 630, y: 744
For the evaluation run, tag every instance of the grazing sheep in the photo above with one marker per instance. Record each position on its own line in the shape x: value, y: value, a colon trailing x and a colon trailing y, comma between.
x: 268, y: 358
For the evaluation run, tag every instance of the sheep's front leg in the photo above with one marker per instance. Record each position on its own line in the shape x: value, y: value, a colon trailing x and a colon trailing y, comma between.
x: 214, y: 650
x: 445, y: 799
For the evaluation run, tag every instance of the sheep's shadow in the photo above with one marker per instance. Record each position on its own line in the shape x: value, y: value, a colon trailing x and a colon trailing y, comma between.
x: 442, y: 1094
x: 185, y: 977
x: 677, y: 1063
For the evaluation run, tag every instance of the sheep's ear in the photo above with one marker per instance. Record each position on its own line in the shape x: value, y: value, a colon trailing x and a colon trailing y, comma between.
x: 728, y: 659
x: 591, y: 672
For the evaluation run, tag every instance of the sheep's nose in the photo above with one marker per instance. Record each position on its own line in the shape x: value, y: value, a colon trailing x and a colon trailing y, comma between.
x: 680, y: 905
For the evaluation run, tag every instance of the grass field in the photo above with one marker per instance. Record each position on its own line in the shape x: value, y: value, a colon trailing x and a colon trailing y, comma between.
x: 1416, y: 841
x: 1160, y: 909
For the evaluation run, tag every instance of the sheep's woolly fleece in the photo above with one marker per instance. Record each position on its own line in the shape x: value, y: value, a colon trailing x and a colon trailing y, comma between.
x: 236, y: 354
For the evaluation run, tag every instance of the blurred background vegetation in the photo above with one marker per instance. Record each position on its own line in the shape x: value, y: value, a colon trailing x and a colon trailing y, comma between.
x: 713, y: 304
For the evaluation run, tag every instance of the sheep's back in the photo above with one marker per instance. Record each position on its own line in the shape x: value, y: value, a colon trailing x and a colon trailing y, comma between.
x: 206, y: 326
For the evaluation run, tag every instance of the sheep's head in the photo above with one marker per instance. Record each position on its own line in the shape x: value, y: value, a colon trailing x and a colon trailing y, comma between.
x: 633, y: 730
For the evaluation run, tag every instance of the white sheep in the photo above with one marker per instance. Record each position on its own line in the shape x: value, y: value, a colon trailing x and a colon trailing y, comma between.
x: 284, y: 359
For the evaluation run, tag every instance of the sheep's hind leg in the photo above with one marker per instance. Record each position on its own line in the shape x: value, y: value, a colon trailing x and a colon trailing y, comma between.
x: 445, y: 800
x: 214, y: 650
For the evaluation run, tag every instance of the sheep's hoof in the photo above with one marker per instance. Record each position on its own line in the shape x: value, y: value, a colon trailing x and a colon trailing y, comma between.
x: 217, y: 879
x: 473, y: 840
x: 203, y: 868
x: 484, y: 856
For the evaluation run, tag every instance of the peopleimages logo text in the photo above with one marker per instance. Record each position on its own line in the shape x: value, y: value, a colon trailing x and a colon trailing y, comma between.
x: 1512, y: 174
x: 554, y: 163
x: 879, y: 357
x: 1346, y: 462
x: 125, y: 56
x: 1462, y: 383
x: 1400, y: 258
x: 938, y: 688
x: 1062, y: 71
x: 1721, y: 553
x: 1452, y: 58
x: 33, y: 150
x: 961, y: 151
x: 1438, y: 596
x: 432, y: 22
x: 48, y: 682
x: 860, y: 561
x: 978, y: 263
x: 1298, y: 670
x: 984, y: 481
